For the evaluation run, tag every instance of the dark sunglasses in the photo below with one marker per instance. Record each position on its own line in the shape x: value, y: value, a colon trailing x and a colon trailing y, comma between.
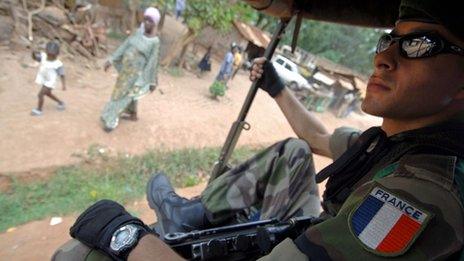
x: 418, y: 45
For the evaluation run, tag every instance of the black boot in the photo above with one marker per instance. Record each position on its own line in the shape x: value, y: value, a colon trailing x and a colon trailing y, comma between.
x: 174, y: 213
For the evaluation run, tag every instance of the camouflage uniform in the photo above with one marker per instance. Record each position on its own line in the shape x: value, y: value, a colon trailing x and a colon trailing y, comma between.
x: 74, y: 250
x: 432, y: 183
x: 280, y: 183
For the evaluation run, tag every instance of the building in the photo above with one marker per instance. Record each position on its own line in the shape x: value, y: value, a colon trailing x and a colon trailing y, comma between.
x: 248, y: 37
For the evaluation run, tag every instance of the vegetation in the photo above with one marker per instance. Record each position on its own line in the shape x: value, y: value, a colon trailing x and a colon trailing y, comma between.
x: 122, y: 178
x: 217, y: 89
x: 347, y: 45
x: 175, y: 71
x: 352, y: 46
x: 199, y: 14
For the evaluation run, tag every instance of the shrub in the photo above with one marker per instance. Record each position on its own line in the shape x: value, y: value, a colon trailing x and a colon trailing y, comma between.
x: 217, y: 89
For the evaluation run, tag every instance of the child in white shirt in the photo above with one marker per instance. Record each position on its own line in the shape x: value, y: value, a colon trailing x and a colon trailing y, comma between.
x: 50, y: 69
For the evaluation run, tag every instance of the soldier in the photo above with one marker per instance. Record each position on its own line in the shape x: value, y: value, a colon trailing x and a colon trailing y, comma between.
x: 394, y: 191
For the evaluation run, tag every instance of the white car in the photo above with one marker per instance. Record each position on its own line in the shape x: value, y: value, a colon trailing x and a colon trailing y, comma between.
x: 288, y: 73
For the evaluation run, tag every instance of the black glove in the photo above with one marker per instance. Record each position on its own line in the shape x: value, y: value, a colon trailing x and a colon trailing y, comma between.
x: 270, y: 80
x: 97, y: 224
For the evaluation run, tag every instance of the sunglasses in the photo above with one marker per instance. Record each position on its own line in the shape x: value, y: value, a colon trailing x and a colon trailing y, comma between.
x: 418, y: 45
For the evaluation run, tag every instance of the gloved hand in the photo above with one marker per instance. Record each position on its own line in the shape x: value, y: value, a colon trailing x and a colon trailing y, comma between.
x: 268, y: 79
x: 96, y: 225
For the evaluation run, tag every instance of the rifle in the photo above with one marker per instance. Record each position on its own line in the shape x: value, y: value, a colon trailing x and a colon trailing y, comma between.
x: 234, y: 133
x: 237, y: 242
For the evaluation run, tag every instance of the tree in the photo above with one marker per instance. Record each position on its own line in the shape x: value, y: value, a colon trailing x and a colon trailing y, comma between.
x: 348, y: 45
x: 218, y: 14
x: 351, y: 46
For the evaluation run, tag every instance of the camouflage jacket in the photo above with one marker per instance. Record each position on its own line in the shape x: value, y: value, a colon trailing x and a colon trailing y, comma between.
x: 410, y: 209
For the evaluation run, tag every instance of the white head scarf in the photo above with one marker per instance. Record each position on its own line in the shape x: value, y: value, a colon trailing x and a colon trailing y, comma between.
x: 153, y: 13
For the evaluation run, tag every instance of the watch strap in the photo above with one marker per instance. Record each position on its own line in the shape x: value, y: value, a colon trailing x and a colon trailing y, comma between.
x: 142, y: 231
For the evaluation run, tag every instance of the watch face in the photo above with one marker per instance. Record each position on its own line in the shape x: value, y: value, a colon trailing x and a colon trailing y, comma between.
x: 124, y: 238
x: 121, y: 237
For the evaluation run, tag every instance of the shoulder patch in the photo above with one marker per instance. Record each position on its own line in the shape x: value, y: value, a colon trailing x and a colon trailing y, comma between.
x: 386, y: 224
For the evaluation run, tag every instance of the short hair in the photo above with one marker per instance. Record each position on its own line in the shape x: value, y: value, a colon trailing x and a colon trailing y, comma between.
x: 53, y: 47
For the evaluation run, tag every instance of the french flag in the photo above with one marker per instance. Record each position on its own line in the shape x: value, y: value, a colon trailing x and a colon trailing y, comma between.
x: 386, y: 223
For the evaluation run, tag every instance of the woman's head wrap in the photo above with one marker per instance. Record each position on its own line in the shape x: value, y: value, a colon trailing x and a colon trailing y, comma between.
x: 153, y: 13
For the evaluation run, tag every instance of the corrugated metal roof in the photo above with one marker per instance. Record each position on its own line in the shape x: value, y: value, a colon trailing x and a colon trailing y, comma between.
x: 361, y: 85
x: 253, y: 34
x: 324, y: 78
x: 346, y: 84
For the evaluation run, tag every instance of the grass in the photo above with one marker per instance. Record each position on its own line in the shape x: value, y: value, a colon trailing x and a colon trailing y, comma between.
x: 122, y: 178
x: 117, y: 35
x: 175, y: 71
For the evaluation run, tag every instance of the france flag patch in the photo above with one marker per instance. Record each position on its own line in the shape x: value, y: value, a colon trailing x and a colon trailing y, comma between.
x: 386, y: 224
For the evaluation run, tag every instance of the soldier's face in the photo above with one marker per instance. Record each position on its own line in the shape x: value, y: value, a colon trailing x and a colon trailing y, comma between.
x: 405, y: 89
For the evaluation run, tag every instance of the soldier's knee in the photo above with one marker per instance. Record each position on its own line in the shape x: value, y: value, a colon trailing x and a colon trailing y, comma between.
x: 300, y: 146
x: 73, y: 250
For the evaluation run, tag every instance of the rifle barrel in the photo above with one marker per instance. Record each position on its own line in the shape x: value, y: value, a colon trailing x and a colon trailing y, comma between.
x: 234, y: 132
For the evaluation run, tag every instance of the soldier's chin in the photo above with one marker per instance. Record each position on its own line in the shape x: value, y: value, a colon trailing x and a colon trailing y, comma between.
x: 372, y: 108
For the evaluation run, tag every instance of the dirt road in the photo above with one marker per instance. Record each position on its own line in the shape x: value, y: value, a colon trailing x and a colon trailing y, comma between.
x: 178, y: 114
x: 38, y: 240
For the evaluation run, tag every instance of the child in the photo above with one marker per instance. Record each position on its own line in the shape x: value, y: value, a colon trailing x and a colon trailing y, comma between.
x: 226, y: 67
x: 49, y: 70
x: 237, y: 61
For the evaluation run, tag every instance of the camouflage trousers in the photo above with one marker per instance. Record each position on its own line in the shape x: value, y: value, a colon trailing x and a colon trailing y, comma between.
x: 279, y: 182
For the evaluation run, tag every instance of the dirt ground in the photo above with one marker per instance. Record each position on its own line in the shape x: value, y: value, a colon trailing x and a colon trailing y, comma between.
x: 178, y: 114
x: 38, y: 240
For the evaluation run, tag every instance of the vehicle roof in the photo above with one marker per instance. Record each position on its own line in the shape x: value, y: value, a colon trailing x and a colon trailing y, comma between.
x: 283, y: 58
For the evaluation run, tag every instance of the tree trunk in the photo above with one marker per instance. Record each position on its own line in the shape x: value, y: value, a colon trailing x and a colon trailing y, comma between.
x: 260, y: 19
x: 177, y: 48
x: 266, y: 25
x: 133, y: 7
x: 29, y: 16
x: 184, y: 50
x: 163, y: 17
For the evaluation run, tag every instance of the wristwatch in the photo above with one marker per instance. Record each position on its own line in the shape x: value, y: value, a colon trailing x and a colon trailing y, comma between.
x: 125, y: 238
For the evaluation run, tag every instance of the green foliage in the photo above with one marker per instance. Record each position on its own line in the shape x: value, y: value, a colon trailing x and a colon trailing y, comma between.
x: 123, y: 179
x: 158, y: 4
x: 116, y: 35
x: 217, y: 89
x: 218, y: 14
x: 348, y: 45
x: 351, y: 46
x: 175, y: 71
x: 215, y: 13
x: 244, y: 12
